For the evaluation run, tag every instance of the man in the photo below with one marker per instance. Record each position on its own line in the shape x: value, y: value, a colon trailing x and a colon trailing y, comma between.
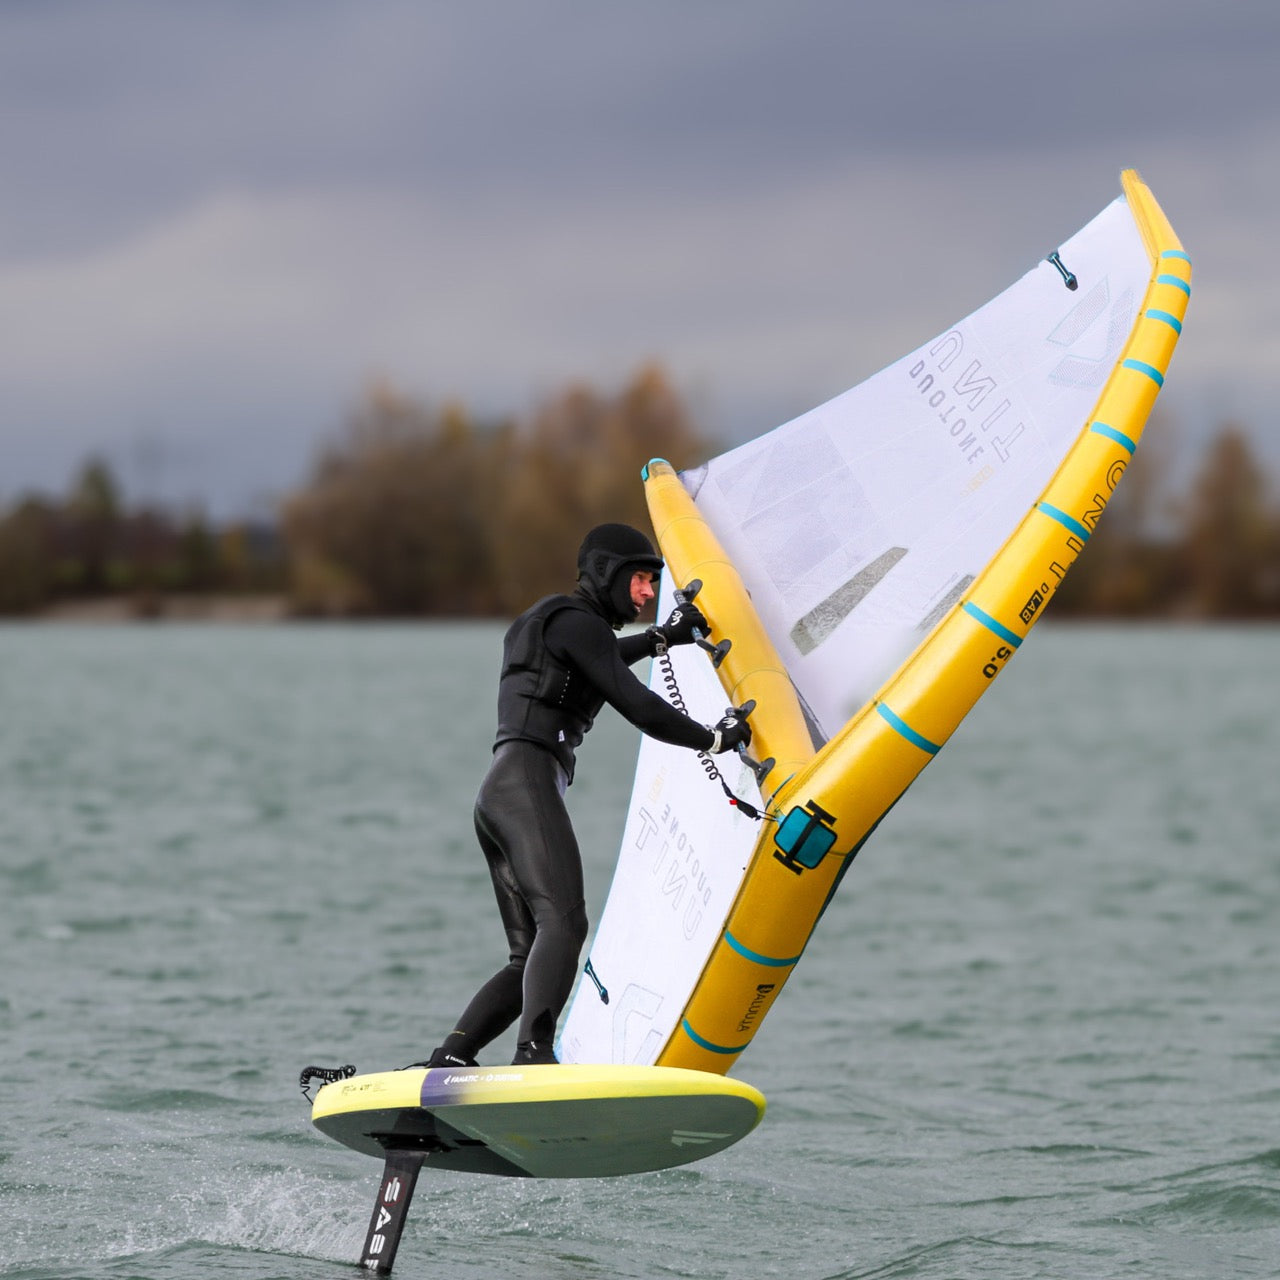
x: 561, y: 662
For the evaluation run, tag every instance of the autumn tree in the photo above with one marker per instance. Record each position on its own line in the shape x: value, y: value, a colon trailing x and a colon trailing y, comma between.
x: 419, y: 511
x: 396, y: 517
x: 27, y: 556
x: 576, y: 464
x: 1229, y: 546
x: 92, y: 526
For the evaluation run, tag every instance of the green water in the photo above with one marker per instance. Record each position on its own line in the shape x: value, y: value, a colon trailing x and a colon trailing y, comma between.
x: 1035, y: 1036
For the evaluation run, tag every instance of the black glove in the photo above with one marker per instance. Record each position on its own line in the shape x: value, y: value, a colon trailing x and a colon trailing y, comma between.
x: 732, y: 731
x: 685, y: 619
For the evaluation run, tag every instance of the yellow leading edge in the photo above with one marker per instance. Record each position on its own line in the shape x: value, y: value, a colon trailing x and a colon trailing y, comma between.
x: 859, y: 775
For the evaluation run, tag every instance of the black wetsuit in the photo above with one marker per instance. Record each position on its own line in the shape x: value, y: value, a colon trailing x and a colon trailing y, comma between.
x: 561, y: 663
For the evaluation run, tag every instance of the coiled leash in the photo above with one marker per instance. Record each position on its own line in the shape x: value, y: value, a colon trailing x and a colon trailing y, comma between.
x: 760, y: 768
x: 326, y: 1075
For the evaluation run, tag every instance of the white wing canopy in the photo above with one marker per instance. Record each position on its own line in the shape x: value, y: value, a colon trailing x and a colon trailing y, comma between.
x: 858, y: 524
x: 855, y: 529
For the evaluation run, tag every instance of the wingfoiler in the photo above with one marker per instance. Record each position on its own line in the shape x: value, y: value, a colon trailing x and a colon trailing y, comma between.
x: 866, y: 571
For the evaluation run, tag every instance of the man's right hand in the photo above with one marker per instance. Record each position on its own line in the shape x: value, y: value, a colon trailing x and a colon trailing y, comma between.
x: 684, y: 621
x: 732, y: 731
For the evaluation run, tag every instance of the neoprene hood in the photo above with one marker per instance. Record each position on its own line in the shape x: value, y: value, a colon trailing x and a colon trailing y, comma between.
x: 609, y: 555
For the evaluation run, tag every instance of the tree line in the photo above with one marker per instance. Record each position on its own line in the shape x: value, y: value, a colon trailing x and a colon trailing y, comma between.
x: 1209, y: 551
x: 92, y: 545
x: 417, y: 510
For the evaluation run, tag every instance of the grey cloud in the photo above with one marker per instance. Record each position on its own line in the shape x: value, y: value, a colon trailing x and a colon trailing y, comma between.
x: 112, y: 110
x: 254, y: 206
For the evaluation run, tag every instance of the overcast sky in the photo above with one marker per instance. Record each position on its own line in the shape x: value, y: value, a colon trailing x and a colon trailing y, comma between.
x: 219, y: 222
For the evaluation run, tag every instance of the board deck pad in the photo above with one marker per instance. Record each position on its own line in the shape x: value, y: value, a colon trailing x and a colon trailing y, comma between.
x: 541, y: 1121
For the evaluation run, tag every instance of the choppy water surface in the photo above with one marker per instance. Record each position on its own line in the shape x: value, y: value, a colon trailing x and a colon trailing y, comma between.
x: 1036, y: 1034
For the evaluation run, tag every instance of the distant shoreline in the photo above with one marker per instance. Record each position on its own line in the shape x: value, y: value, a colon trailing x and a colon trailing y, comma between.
x: 167, y: 608
x: 263, y: 608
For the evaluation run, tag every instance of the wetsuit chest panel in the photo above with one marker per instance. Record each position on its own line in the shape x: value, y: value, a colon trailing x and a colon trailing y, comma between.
x: 541, y: 697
